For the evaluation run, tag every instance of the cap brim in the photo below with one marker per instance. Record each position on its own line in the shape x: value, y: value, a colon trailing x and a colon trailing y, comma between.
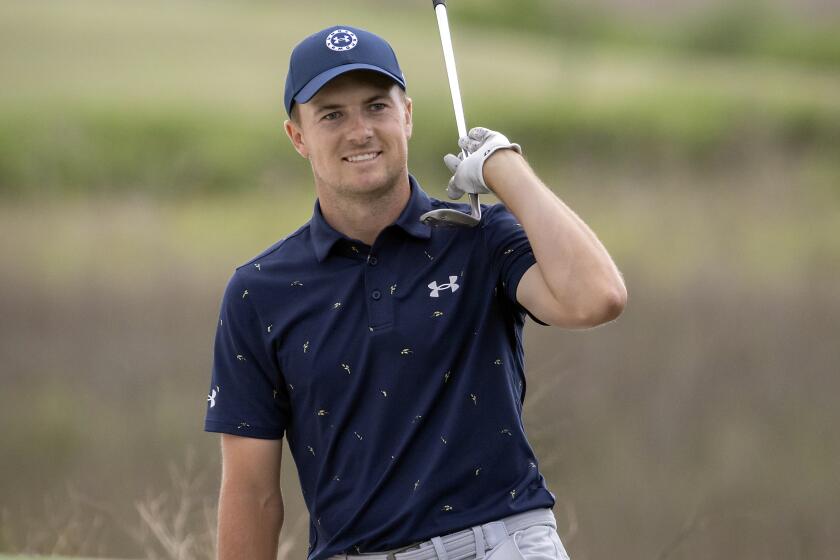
x: 319, y: 81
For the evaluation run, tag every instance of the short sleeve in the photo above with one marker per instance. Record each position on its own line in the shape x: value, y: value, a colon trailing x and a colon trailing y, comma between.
x: 247, y: 396
x: 509, y: 249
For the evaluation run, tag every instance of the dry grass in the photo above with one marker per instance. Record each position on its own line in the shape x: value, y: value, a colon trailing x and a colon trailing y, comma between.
x: 700, y: 423
x: 176, y: 523
x: 171, y: 521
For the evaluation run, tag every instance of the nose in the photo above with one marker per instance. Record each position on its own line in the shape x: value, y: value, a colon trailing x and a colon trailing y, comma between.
x: 359, y: 127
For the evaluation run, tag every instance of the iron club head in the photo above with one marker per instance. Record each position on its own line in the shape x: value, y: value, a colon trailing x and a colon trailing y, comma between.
x: 446, y: 217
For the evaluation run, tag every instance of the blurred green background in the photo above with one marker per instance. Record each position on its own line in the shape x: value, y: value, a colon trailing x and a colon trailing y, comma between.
x: 142, y: 158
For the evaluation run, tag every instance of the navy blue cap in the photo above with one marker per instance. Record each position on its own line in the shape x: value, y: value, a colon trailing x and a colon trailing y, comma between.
x: 333, y: 51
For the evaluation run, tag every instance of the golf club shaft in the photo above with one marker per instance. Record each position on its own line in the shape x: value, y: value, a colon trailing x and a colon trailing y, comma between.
x: 454, y: 87
x: 452, y: 73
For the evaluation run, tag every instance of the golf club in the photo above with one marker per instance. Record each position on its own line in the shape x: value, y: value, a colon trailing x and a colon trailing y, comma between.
x: 447, y: 216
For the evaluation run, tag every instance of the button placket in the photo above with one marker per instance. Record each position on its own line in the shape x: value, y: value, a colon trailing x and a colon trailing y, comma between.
x: 380, y: 307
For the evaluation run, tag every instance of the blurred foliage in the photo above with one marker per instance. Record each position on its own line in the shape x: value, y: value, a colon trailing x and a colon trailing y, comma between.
x: 187, y: 152
x: 142, y: 158
x: 78, y: 117
x: 162, y: 152
x: 740, y: 27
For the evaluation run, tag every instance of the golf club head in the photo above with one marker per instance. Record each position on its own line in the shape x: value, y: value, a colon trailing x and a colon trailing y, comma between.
x: 447, y: 217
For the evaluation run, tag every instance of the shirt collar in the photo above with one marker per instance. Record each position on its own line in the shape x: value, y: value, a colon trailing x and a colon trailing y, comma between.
x: 324, y: 236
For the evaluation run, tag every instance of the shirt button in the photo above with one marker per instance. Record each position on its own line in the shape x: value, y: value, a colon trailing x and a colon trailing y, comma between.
x: 376, y: 294
x: 372, y: 260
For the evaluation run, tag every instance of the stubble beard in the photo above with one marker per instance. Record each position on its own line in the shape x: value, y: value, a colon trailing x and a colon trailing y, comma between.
x: 348, y: 193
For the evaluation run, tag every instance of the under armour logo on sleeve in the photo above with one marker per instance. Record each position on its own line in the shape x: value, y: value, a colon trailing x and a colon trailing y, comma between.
x: 211, y: 398
x: 452, y: 285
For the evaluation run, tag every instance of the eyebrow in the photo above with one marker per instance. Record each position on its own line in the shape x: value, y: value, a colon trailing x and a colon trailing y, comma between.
x: 332, y: 106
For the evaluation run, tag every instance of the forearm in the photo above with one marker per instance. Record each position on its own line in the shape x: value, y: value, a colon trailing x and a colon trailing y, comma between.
x: 249, y: 524
x: 574, y: 263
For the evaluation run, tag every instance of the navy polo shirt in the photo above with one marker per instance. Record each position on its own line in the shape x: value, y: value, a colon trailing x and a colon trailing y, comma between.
x: 396, y: 372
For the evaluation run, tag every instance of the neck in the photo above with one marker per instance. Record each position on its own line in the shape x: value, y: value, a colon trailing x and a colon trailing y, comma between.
x: 364, y: 217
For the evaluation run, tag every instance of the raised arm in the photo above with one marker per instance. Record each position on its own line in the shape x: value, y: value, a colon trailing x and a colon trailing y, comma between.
x: 574, y: 283
x: 250, y: 500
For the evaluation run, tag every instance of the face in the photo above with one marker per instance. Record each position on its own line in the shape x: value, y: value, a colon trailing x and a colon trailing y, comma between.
x: 355, y: 133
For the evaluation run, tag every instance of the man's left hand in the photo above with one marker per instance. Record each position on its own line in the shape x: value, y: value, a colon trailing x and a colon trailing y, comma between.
x: 468, y: 174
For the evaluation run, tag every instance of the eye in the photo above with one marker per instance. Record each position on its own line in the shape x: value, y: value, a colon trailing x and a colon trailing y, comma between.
x: 331, y: 116
x: 378, y: 106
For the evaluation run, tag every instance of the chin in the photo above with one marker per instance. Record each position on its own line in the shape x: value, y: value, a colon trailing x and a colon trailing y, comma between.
x: 378, y: 184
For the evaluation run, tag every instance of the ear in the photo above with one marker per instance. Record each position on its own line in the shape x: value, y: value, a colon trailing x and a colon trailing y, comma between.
x: 295, y: 134
x: 408, y: 122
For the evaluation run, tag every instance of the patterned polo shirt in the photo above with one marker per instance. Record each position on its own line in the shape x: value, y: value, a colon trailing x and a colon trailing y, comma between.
x: 396, y: 372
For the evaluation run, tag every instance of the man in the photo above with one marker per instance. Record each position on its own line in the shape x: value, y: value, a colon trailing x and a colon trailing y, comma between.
x: 389, y: 352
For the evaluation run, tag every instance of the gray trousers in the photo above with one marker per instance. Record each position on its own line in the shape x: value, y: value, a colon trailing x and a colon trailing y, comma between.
x: 531, y: 535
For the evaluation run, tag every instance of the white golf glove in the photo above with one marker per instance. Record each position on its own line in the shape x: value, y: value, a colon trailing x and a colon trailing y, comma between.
x: 468, y: 174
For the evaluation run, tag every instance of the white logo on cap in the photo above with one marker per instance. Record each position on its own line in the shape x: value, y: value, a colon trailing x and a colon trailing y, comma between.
x: 342, y: 40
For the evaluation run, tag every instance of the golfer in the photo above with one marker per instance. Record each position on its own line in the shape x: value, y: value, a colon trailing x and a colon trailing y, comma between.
x: 388, y: 352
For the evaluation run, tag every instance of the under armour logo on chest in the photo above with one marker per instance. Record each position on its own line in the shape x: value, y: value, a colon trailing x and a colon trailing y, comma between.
x: 452, y: 285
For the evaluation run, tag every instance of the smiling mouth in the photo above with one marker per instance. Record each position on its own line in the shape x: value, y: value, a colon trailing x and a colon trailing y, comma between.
x: 362, y: 158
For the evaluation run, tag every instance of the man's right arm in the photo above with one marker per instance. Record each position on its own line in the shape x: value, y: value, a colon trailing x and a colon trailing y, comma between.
x: 250, y: 499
